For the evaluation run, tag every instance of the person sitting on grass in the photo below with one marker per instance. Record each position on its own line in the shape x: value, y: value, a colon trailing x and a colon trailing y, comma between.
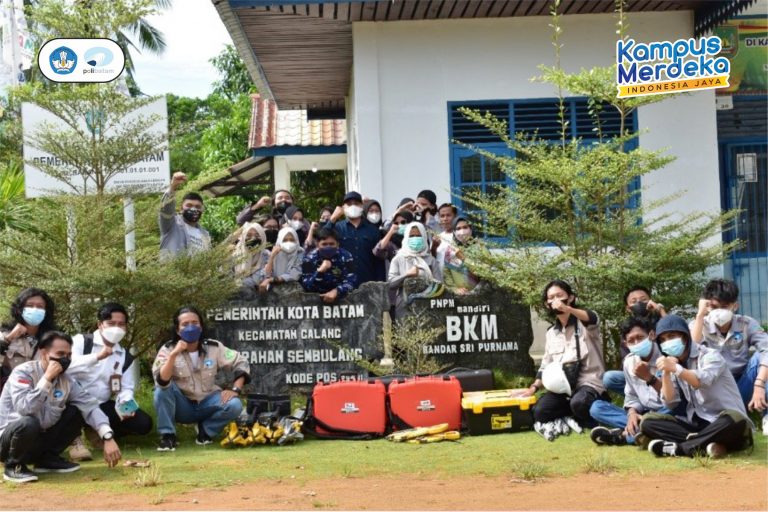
x: 41, y: 413
x: 328, y: 270
x: 715, y: 420
x: 718, y: 327
x: 642, y: 389
x: 185, y: 371
x: 573, y: 343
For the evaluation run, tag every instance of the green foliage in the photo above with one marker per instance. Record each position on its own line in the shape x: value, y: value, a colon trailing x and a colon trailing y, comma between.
x: 409, y: 337
x: 576, y: 198
x: 220, y: 215
x: 314, y: 190
x: 15, y: 212
x: 225, y: 141
x: 83, y: 275
x: 235, y: 80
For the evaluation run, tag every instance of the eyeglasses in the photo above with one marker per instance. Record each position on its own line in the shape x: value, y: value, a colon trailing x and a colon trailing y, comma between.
x: 401, y: 223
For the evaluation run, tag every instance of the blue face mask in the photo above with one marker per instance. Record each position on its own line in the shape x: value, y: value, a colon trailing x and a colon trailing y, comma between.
x: 33, y: 316
x: 401, y: 230
x: 642, y: 349
x: 191, y: 333
x: 674, y: 347
x: 327, y: 253
x: 416, y: 243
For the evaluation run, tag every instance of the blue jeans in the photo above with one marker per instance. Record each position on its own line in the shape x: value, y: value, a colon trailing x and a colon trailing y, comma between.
x: 614, y: 416
x: 172, y: 406
x: 614, y: 380
x: 746, y: 382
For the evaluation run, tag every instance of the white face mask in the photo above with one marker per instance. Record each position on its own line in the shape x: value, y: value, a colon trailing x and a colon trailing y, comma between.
x: 721, y: 316
x: 113, y: 334
x: 353, y: 211
x: 374, y: 218
x: 297, y: 224
x: 289, y: 247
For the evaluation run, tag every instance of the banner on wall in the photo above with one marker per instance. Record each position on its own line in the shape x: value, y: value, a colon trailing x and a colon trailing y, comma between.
x: 745, y: 44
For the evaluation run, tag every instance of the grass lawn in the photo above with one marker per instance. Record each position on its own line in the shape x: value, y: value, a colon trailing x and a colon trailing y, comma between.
x: 523, y: 455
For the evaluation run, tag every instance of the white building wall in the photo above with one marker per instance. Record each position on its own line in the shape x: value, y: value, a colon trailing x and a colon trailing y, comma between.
x: 405, y: 73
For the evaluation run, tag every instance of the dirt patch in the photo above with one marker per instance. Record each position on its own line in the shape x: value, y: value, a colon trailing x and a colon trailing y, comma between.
x: 706, y: 489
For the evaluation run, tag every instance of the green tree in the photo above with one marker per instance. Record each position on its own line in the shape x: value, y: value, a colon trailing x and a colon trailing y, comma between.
x: 235, y: 79
x: 15, y: 211
x: 577, y: 198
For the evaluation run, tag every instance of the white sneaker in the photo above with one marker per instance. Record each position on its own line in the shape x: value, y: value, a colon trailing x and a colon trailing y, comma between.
x: 573, y: 424
x: 765, y: 425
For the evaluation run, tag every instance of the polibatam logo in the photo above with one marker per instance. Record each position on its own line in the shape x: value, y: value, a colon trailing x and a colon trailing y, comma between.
x: 81, y: 60
x: 670, y: 66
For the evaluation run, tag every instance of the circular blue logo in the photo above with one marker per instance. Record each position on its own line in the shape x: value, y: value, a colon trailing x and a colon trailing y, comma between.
x: 98, y: 56
x: 208, y: 363
x: 63, y: 60
x: 58, y: 394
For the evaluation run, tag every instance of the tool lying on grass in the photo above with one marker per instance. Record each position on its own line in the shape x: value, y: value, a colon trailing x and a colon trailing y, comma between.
x: 267, y: 429
x: 420, y: 435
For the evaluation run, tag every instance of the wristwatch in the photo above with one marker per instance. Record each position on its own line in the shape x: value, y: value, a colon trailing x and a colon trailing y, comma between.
x: 237, y: 389
x: 108, y: 436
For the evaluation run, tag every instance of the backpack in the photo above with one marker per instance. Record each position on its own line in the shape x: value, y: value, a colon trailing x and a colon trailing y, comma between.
x: 88, y: 348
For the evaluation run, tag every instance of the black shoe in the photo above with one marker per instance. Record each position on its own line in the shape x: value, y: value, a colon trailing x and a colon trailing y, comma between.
x: 19, y: 473
x: 56, y: 465
x: 608, y: 436
x: 202, y: 438
x: 168, y: 443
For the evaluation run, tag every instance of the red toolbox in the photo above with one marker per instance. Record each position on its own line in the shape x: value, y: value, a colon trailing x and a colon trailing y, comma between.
x: 347, y: 408
x: 425, y: 401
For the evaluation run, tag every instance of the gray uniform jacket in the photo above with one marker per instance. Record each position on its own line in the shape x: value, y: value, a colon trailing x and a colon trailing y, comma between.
x: 745, y: 332
x: 28, y: 393
x: 560, y: 347
x: 637, y: 393
x: 197, y: 382
x: 20, y: 350
x: 718, y: 391
x: 174, y: 232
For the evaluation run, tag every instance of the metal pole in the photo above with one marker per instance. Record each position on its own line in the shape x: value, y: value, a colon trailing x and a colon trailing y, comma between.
x: 72, y: 251
x: 130, y: 234
x: 15, y: 58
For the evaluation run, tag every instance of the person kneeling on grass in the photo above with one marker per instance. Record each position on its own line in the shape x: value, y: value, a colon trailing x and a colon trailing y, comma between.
x: 642, y: 390
x: 41, y: 413
x: 715, y: 421
x: 185, y: 372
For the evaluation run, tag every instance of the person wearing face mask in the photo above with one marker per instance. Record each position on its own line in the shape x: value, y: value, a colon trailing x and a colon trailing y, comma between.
x: 284, y: 265
x: 251, y: 255
x: 638, y: 303
x: 388, y: 246
x: 271, y: 228
x: 280, y: 201
x: 456, y: 274
x: 294, y: 219
x: 181, y: 233
x: 574, y: 343
x: 328, y: 270
x: 32, y: 315
x: 412, y: 260
x: 358, y: 236
x: 715, y: 420
x: 41, y: 412
x: 185, y: 371
x: 643, y: 388
x: 106, y: 369
x: 718, y: 327
x: 372, y: 212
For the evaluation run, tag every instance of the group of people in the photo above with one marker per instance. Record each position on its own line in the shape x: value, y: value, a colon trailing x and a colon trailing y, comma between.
x: 344, y: 248
x: 687, y: 387
x: 54, y: 385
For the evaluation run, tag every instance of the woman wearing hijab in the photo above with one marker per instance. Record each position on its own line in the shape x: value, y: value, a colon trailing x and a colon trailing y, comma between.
x: 412, y: 260
x: 294, y: 218
x: 284, y: 265
x: 251, y: 255
x: 456, y: 274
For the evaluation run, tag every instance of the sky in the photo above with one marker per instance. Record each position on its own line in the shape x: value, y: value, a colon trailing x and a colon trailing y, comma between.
x: 194, y: 33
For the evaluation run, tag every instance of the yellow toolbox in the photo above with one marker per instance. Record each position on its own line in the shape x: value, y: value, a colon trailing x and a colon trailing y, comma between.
x: 497, y: 411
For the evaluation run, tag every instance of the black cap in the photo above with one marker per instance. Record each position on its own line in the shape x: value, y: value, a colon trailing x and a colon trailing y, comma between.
x: 353, y: 196
x: 428, y: 195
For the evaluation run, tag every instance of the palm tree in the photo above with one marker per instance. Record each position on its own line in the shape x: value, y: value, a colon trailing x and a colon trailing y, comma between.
x: 148, y: 37
x: 15, y: 211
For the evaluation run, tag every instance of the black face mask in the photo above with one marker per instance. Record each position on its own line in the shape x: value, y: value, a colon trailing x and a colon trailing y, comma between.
x: 271, y: 235
x: 192, y: 215
x: 282, y: 206
x: 253, y: 242
x: 397, y: 239
x: 63, y: 361
x: 639, y: 309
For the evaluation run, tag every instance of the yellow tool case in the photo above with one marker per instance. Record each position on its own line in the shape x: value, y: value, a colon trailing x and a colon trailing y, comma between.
x: 497, y: 411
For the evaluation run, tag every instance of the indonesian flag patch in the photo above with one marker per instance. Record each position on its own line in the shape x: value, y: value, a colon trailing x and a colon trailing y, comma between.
x: 24, y: 381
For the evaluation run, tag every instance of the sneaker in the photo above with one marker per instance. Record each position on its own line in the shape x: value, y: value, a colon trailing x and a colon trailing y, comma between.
x: 19, y: 473
x: 56, y: 465
x: 202, y: 438
x: 765, y: 425
x: 607, y: 436
x: 573, y: 424
x: 716, y: 451
x: 662, y: 448
x: 78, y: 451
x: 168, y: 443
x: 561, y: 427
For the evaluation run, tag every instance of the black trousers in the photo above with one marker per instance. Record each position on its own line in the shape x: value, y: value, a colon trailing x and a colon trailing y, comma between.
x: 724, y: 430
x: 140, y: 424
x: 552, y: 406
x: 25, y: 442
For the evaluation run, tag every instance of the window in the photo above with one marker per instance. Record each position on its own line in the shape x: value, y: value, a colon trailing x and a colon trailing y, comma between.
x: 472, y: 172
